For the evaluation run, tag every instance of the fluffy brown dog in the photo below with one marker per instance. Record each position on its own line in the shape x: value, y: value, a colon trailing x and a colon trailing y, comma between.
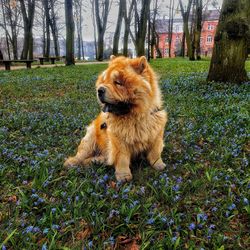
x: 131, y: 122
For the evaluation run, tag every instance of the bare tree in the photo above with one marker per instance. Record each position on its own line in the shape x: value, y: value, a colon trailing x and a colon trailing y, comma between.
x: 197, y: 26
x: 70, y: 57
x: 11, y: 24
x: 127, y: 21
x: 122, y: 6
x: 94, y: 24
x: 140, y: 29
x: 102, y: 8
x: 47, y: 28
x: 54, y: 27
x: 79, y: 20
x: 170, y: 26
x: 231, y: 42
x: 185, y: 15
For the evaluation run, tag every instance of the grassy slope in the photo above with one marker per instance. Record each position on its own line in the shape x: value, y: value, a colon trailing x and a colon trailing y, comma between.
x: 200, y: 201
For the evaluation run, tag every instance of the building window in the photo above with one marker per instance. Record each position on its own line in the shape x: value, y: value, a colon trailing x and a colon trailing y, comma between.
x: 210, y: 26
x: 209, y: 39
x: 166, y: 52
x: 166, y: 39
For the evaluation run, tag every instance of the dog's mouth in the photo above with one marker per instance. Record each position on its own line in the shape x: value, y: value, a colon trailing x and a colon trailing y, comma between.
x: 119, y: 108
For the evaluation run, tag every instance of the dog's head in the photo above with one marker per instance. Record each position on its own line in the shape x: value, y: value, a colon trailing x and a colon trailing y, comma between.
x: 126, y: 86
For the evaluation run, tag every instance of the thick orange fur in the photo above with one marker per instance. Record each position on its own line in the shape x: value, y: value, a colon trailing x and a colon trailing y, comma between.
x: 115, y: 139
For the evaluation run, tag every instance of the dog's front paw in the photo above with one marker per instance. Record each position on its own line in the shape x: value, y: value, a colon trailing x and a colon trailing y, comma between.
x: 159, y: 166
x: 71, y: 162
x: 99, y: 160
x: 123, y: 176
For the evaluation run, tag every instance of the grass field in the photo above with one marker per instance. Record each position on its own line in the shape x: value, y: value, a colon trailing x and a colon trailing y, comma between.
x: 201, y: 201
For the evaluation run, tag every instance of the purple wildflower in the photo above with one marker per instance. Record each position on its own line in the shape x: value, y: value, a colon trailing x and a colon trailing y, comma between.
x: 191, y: 226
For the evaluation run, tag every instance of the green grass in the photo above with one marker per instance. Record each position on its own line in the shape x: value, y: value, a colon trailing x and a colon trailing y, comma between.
x: 201, y: 201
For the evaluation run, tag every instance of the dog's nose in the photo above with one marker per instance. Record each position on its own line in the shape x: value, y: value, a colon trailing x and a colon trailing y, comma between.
x: 101, y: 91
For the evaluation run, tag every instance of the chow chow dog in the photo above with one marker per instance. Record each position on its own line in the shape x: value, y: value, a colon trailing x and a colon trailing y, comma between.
x: 132, y: 120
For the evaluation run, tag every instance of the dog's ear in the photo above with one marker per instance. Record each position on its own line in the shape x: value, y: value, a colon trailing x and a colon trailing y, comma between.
x: 142, y: 63
x: 112, y: 57
x: 139, y: 64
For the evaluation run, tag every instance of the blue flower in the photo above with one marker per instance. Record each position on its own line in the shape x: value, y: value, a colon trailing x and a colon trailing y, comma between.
x: 44, y: 246
x: 191, y: 226
x: 105, y: 177
x: 174, y: 239
x: 214, y: 209
x: 4, y: 247
x: 29, y: 229
x: 45, y: 230
x: 53, y: 210
x: 232, y: 206
x: 151, y: 221
x: 202, y: 217
x: 245, y: 200
x: 176, y: 188
x: 55, y: 227
x: 90, y: 244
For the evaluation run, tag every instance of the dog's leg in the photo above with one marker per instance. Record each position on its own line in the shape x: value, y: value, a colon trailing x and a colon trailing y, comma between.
x: 154, y: 155
x: 119, y: 156
x: 86, y: 149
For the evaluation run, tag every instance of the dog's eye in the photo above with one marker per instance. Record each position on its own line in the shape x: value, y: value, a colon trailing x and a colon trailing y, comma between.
x: 117, y: 82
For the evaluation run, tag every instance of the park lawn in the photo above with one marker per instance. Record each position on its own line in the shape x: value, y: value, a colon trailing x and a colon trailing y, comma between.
x: 201, y: 201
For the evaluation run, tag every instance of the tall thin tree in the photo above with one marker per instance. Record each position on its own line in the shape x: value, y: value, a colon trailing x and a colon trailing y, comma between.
x: 101, y: 14
x: 70, y: 28
x: 185, y: 16
x: 118, y: 26
x: 28, y: 12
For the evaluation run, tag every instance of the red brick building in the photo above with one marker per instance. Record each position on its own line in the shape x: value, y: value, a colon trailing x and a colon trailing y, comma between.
x: 210, y: 22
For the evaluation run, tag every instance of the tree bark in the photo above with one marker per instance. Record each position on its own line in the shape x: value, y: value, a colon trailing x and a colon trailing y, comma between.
x: 230, y: 48
x: 70, y: 57
x: 101, y: 22
x: 141, y: 26
x: 170, y: 27
x: 54, y: 29
x: 127, y: 21
x: 185, y: 16
x: 47, y: 27
x: 118, y: 27
x: 28, y: 19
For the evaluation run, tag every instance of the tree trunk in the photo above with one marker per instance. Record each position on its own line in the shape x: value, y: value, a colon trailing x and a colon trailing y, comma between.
x: 101, y: 22
x: 70, y: 57
x: 183, y: 42
x: 141, y: 29
x: 118, y: 27
x: 47, y: 27
x: 28, y: 19
x: 185, y: 16
x: 54, y: 30
x: 170, y: 26
x: 230, y: 48
x: 127, y: 21
x: 1, y: 56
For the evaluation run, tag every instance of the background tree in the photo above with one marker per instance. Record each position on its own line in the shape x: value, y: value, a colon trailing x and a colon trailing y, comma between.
x: 230, y: 48
x: 170, y: 26
x: 11, y: 24
x: 47, y: 28
x: 140, y: 26
x: 54, y: 27
x: 154, y: 35
x: 122, y: 7
x: 128, y: 13
x: 28, y: 12
x: 102, y: 8
x: 79, y: 20
x: 70, y: 57
x: 196, y: 32
x: 185, y: 16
